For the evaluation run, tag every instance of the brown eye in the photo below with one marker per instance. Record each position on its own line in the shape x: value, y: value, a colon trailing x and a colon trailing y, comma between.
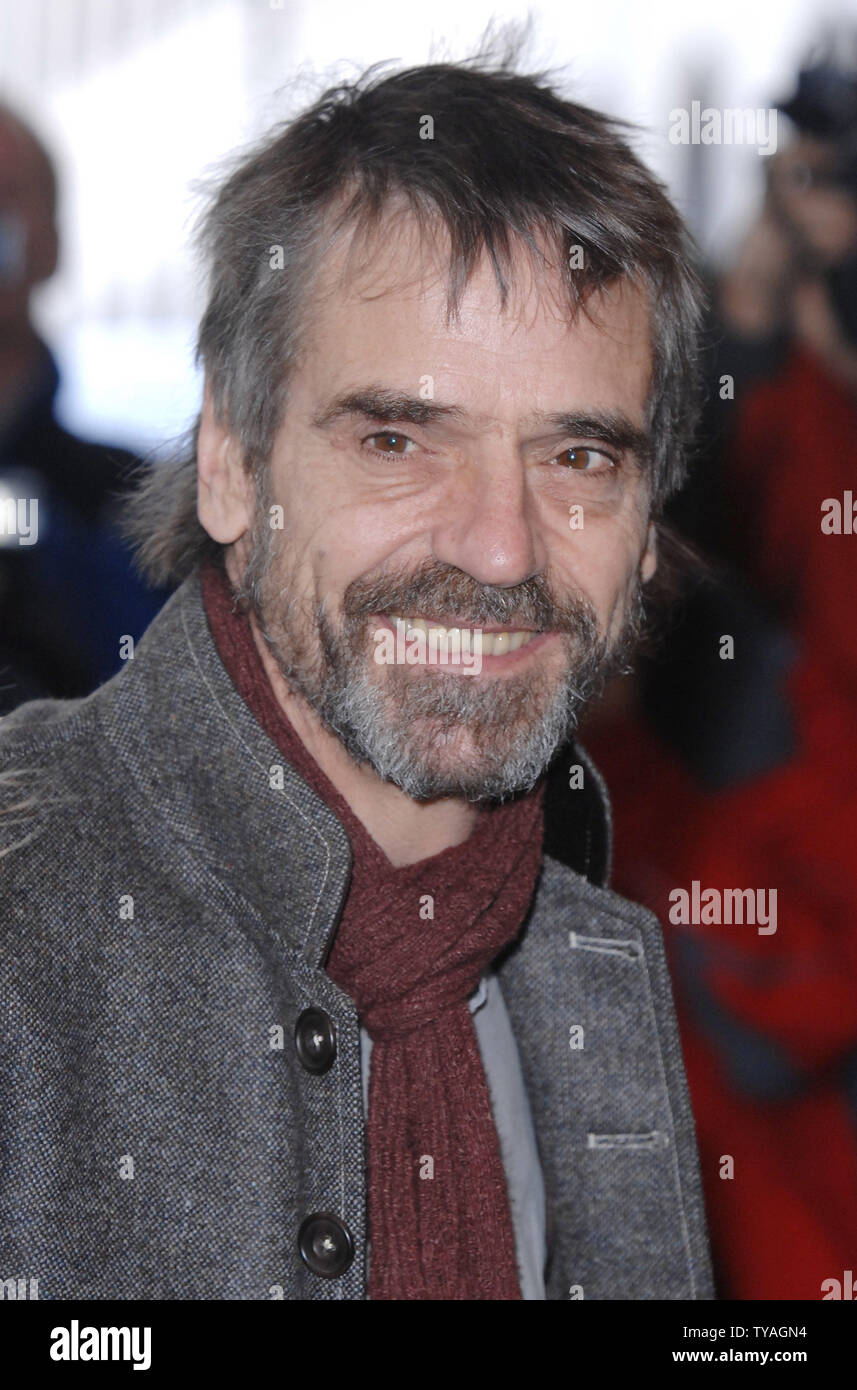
x: 583, y: 460
x: 391, y: 443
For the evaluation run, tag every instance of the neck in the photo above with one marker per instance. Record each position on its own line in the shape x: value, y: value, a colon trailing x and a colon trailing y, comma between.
x: 406, y: 830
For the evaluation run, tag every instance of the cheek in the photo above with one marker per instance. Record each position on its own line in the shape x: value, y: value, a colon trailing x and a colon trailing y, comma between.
x: 601, y: 560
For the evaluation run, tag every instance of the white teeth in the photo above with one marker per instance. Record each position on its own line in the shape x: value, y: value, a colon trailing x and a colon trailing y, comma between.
x: 493, y: 643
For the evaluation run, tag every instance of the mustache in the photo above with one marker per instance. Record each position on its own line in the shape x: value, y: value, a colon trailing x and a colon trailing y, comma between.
x: 444, y: 593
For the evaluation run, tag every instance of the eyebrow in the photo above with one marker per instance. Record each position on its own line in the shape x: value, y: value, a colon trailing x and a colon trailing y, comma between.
x: 611, y: 427
x: 387, y: 406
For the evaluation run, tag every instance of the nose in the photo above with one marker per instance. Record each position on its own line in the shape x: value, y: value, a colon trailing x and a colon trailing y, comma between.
x: 487, y: 526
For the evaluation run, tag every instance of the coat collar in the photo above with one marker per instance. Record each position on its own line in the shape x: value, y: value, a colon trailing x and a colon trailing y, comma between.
x: 196, y: 757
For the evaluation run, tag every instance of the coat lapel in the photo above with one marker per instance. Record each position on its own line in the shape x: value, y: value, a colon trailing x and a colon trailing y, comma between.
x: 588, y: 994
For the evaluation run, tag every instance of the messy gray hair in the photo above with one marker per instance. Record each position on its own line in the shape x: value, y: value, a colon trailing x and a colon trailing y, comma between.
x: 511, y: 163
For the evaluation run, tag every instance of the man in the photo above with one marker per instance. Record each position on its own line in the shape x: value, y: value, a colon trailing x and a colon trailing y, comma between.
x: 66, y: 581
x: 316, y: 987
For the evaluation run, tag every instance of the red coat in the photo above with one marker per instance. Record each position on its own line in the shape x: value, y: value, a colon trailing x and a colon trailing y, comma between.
x: 769, y: 1022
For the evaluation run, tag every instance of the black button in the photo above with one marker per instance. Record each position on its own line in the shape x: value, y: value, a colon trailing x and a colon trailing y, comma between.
x: 326, y: 1244
x: 315, y: 1040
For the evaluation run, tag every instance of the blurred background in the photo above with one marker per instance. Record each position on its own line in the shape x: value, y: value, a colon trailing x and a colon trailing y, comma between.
x: 731, y: 765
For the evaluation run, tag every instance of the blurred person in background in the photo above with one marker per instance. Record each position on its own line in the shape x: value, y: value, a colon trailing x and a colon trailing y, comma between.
x: 68, y: 592
x: 741, y: 772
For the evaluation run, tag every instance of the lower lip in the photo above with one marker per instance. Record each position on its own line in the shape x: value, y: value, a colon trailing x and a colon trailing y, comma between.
x: 507, y: 662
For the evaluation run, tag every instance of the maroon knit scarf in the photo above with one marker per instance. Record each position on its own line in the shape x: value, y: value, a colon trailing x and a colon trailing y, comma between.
x: 439, y: 1219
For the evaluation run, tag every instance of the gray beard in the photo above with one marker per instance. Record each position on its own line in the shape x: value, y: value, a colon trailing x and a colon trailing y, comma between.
x: 407, y: 726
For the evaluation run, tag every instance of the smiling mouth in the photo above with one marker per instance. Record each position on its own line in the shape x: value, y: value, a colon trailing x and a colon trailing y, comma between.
x: 495, y: 641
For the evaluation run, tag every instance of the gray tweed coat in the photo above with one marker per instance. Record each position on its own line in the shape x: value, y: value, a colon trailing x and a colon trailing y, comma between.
x: 165, y: 909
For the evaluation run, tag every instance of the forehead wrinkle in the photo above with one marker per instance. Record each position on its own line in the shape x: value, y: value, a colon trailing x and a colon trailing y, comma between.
x: 362, y: 233
x: 362, y: 247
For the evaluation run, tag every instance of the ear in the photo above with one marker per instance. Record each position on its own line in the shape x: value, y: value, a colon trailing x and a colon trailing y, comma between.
x: 649, y: 558
x: 224, y: 489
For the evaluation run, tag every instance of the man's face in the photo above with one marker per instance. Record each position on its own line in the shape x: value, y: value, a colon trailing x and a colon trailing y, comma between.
x: 439, y: 472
